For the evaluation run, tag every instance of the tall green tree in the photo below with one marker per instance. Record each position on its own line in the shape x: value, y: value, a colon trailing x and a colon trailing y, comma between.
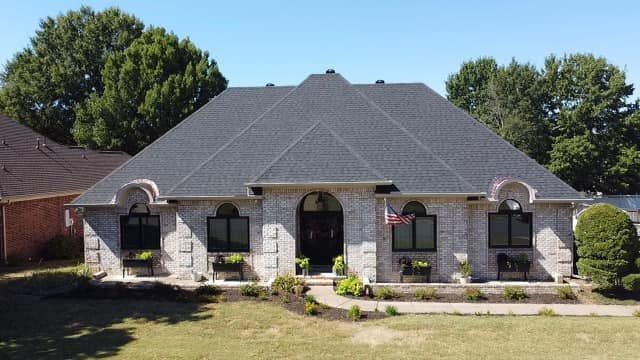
x: 574, y: 116
x: 148, y: 88
x: 43, y: 84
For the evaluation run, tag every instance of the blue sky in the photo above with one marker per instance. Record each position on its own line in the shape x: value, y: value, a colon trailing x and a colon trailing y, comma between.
x: 398, y: 41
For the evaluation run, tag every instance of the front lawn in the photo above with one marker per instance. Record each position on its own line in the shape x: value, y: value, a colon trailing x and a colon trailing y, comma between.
x: 83, y: 328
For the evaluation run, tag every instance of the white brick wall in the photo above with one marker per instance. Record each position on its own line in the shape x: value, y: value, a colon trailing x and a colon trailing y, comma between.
x: 461, y: 229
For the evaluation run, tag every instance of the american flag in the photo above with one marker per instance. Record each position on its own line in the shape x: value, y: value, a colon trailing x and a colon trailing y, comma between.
x: 392, y: 217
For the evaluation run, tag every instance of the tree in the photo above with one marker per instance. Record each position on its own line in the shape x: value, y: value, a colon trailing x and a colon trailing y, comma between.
x: 607, y: 245
x: 573, y: 116
x: 44, y: 83
x: 148, y: 88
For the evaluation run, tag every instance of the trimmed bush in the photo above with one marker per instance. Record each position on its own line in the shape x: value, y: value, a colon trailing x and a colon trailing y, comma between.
x: 472, y: 293
x: 287, y: 283
x: 310, y: 309
x: 426, y: 294
x: 251, y: 289
x: 607, y: 246
x: 514, y: 293
x: 566, y: 293
x: 354, y: 313
x: 391, y: 310
x: 310, y: 299
x: 207, y: 290
x: 63, y: 248
x: 350, y: 286
x: 631, y: 283
x: 385, y: 293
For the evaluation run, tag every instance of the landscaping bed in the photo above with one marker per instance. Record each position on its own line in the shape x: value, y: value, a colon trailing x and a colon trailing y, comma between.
x: 485, y: 298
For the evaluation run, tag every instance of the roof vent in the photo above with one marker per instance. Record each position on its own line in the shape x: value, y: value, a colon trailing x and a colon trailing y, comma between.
x: 269, y: 85
x: 330, y: 71
x: 379, y: 81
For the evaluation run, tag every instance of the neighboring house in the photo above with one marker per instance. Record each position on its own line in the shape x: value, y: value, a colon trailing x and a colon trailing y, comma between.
x: 37, y: 177
x: 628, y: 203
x: 279, y: 171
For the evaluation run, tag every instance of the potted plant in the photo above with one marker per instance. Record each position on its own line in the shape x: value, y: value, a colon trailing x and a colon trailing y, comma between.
x: 234, y: 259
x: 465, y: 271
x: 140, y: 260
x: 304, y: 264
x: 405, y: 267
x: 414, y: 271
x: 339, y: 266
x: 233, y: 263
x: 522, y: 263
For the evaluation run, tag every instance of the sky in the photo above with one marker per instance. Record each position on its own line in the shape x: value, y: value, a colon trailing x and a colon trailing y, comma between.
x: 282, y: 42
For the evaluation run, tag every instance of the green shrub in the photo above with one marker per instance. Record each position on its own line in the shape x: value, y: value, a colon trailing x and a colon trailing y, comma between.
x: 566, y: 293
x: 607, y: 245
x: 547, y: 312
x: 287, y: 283
x: 465, y: 268
x: 207, y: 290
x: 514, y: 293
x: 636, y: 313
x: 338, y: 265
x: 251, y: 289
x: 391, y: 310
x: 472, y: 293
x: 385, y: 293
x: 310, y: 299
x: 303, y: 262
x: 145, y: 255
x: 234, y: 259
x: 631, y: 283
x: 354, y: 313
x: 426, y: 294
x: 63, y: 248
x: 419, y: 264
x: 310, y: 309
x: 350, y: 286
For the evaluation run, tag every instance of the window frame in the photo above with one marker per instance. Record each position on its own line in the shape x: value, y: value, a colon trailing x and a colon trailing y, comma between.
x: 413, y: 233
x: 510, y: 214
x: 228, y: 219
x: 123, y: 223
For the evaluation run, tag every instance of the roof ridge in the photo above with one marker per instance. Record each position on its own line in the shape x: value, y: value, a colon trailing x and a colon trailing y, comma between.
x: 228, y: 143
x: 408, y: 133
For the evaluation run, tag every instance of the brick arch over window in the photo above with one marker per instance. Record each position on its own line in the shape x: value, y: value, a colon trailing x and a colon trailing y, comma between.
x: 508, y: 187
x: 148, y: 187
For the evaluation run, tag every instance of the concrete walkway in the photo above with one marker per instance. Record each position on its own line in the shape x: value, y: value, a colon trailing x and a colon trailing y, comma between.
x: 326, y: 295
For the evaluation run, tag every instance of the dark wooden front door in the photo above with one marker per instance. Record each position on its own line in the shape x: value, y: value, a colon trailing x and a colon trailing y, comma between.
x: 321, y: 236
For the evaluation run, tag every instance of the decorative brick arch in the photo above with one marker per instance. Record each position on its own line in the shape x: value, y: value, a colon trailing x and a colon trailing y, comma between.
x: 147, y: 186
x: 501, y: 182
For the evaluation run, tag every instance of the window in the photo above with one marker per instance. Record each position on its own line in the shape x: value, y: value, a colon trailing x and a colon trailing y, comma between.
x: 227, y: 231
x: 420, y: 235
x: 139, y: 230
x: 510, y: 226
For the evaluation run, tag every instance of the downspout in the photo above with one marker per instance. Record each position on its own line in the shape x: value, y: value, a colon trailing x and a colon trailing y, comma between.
x: 4, y: 233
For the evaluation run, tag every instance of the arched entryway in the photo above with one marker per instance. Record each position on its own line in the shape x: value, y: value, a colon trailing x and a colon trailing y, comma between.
x: 321, y: 228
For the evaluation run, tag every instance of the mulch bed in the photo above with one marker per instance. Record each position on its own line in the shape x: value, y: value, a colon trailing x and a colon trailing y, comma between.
x: 290, y: 302
x: 487, y: 298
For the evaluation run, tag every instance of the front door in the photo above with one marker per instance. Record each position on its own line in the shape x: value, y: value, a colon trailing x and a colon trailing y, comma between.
x: 321, y: 236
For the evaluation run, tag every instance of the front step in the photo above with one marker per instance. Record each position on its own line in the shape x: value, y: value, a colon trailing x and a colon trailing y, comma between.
x: 318, y: 281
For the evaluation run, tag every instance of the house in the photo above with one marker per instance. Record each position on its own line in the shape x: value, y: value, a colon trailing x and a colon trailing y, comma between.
x: 37, y: 177
x: 276, y: 172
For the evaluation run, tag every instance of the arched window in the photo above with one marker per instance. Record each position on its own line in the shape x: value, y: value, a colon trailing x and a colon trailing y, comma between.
x: 420, y: 235
x: 228, y: 231
x: 510, y: 226
x: 139, y: 230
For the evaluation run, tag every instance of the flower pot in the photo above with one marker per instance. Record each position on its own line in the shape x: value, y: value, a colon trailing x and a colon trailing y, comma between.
x: 523, y: 266
x: 465, y: 279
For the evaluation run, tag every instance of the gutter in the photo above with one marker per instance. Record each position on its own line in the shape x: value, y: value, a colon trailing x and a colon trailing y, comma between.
x: 440, y: 195
x: 213, y: 197
x: 318, y: 183
x: 18, y: 198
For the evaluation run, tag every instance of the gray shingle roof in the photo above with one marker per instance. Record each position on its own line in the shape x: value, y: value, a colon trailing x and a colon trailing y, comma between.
x: 328, y: 130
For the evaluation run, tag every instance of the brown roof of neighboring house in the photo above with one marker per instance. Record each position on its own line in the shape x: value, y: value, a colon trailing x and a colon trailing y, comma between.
x: 29, y: 170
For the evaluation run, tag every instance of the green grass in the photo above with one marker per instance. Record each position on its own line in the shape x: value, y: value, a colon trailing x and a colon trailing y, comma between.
x: 82, y: 328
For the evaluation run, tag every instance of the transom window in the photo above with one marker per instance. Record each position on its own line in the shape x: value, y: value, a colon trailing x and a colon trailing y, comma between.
x: 139, y: 230
x: 420, y: 235
x: 228, y: 231
x: 510, y: 226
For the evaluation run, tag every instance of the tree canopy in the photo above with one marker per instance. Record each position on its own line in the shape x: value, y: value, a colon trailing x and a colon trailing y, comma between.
x: 574, y: 116
x: 101, y: 79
